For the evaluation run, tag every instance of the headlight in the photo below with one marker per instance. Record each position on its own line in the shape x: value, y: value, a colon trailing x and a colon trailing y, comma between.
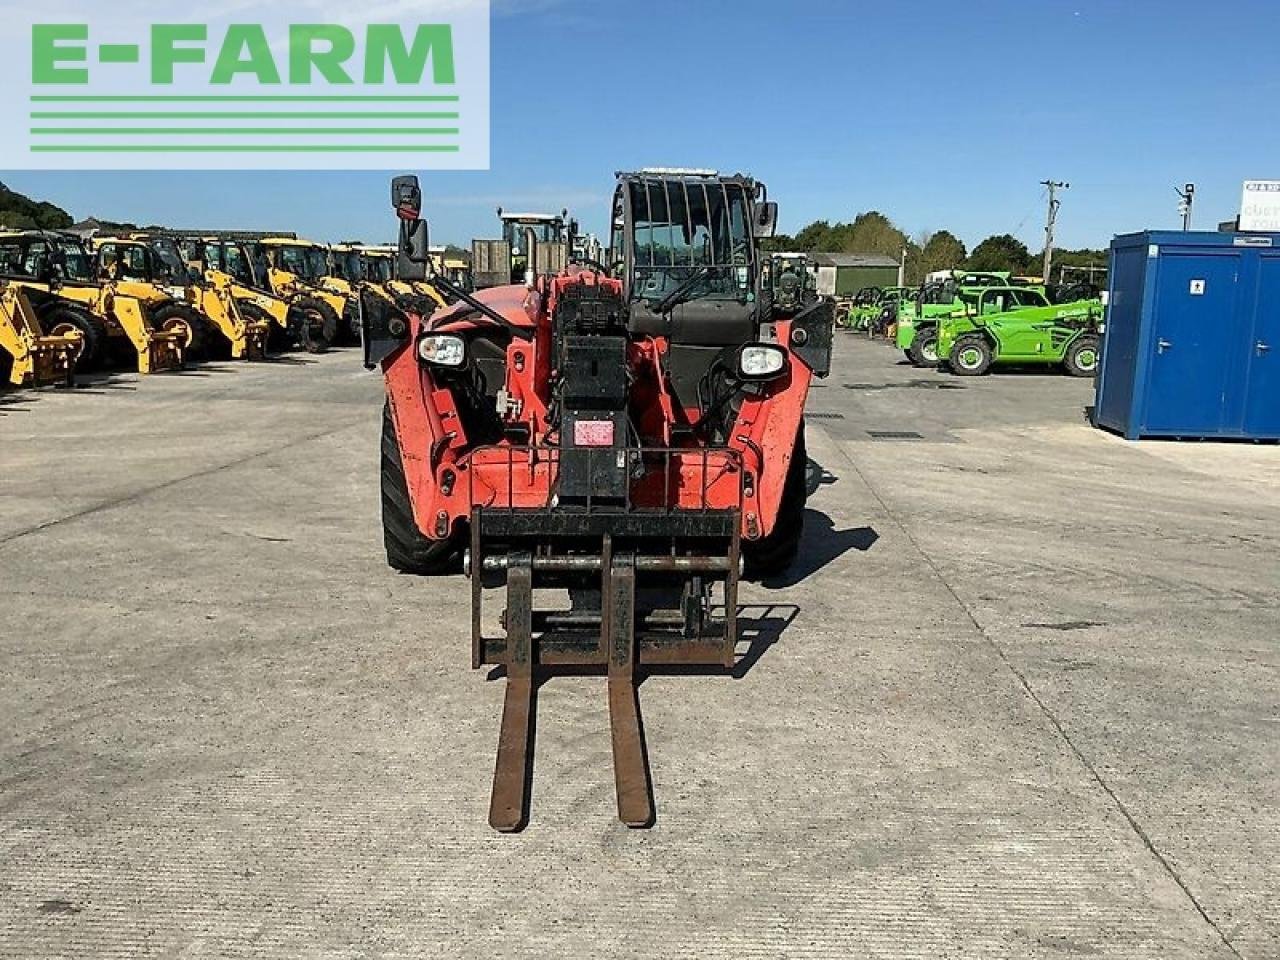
x: 761, y: 361
x: 442, y: 350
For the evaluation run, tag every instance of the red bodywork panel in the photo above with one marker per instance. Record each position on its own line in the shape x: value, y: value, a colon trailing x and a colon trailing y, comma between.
x: 448, y: 474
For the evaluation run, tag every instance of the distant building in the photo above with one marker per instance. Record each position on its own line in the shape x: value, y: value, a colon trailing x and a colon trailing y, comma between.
x: 844, y: 274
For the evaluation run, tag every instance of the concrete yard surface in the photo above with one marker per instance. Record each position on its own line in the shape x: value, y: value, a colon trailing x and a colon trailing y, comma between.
x: 1020, y: 697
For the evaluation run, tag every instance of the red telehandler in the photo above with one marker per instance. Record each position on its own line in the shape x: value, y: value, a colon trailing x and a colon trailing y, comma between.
x: 628, y: 434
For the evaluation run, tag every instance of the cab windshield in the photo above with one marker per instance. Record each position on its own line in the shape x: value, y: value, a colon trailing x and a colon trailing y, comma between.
x: 378, y: 269
x: 310, y: 263
x: 690, y: 236
x: 77, y: 265
x: 170, y: 259
x: 125, y: 261
x: 346, y: 264
x: 544, y: 231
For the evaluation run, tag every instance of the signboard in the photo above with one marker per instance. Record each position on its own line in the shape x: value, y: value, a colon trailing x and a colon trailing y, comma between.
x: 1260, y: 205
x: 253, y: 84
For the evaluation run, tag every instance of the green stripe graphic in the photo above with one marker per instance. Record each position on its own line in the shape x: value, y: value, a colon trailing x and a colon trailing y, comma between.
x: 346, y: 98
x: 242, y: 148
x: 238, y: 131
x: 118, y: 53
x: 223, y: 115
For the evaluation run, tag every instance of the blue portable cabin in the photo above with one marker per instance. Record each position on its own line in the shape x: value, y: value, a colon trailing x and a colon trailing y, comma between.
x: 1192, y: 342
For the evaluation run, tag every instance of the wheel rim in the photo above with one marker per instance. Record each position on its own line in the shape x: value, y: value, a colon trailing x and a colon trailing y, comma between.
x: 970, y: 357
x: 929, y: 350
x: 1087, y: 359
x: 177, y: 325
x: 70, y: 330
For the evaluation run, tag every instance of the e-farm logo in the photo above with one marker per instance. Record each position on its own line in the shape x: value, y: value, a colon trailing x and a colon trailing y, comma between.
x: 112, y: 92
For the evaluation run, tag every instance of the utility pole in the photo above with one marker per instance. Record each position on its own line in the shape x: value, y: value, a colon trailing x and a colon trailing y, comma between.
x: 1186, y: 197
x: 1053, y: 186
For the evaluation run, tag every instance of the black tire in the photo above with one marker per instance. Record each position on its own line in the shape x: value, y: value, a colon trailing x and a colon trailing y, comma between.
x: 351, y: 322
x: 407, y: 549
x: 773, y: 554
x: 1082, y: 356
x: 923, y: 351
x: 56, y: 318
x: 314, y: 323
x: 180, y: 315
x: 971, y: 355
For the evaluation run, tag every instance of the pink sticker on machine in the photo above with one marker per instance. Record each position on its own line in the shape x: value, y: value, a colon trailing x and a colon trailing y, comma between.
x: 593, y: 433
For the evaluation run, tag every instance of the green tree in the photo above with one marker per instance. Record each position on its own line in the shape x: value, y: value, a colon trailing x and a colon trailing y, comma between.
x: 813, y: 237
x: 12, y: 220
x: 873, y: 232
x: 21, y: 212
x: 942, y: 251
x: 1000, y: 252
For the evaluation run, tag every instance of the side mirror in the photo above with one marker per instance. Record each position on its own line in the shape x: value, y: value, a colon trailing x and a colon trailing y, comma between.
x: 766, y: 224
x: 406, y: 197
x: 414, y: 254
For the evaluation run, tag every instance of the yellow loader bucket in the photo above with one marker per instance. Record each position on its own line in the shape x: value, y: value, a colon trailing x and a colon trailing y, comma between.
x: 158, y: 349
x: 35, y: 358
x: 247, y: 338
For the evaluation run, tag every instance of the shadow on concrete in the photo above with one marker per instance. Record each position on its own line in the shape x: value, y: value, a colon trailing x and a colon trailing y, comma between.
x: 760, y: 626
x: 15, y: 402
x: 917, y: 384
x: 288, y: 360
x: 821, y: 544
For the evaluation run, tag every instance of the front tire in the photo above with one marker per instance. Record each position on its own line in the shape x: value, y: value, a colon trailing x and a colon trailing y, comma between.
x: 314, y: 323
x: 773, y: 554
x: 407, y: 549
x: 58, y: 320
x: 179, y: 316
x: 923, y: 351
x: 1082, y: 356
x: 971, y: 355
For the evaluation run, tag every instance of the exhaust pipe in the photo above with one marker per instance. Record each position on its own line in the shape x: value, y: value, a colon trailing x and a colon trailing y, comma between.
x: 531, y: 246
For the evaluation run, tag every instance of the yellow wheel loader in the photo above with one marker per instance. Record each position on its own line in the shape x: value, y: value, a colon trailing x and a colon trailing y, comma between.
x: 372, y: 268
x: 297, y: 271
x: 30, y: 356
x: 229, y: 265
x: 236, y: 334
x: 417, y: 296
x: 110, y: 307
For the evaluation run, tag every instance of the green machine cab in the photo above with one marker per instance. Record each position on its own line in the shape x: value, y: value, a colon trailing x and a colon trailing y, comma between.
x: 1019, y: 325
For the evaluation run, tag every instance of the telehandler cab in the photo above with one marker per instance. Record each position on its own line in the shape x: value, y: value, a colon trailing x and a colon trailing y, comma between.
x: 632, y: 437
x: 118, y: 303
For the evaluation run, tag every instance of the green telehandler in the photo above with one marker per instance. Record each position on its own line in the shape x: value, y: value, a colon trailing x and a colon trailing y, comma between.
x: 1018, y: 325
x: 917, y: 320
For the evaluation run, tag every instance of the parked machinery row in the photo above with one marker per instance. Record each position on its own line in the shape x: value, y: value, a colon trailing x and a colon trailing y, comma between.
x: 157, y: 300
x: 970, y: 321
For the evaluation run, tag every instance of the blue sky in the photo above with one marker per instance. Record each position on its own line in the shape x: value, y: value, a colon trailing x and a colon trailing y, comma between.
x: 941, y: 115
